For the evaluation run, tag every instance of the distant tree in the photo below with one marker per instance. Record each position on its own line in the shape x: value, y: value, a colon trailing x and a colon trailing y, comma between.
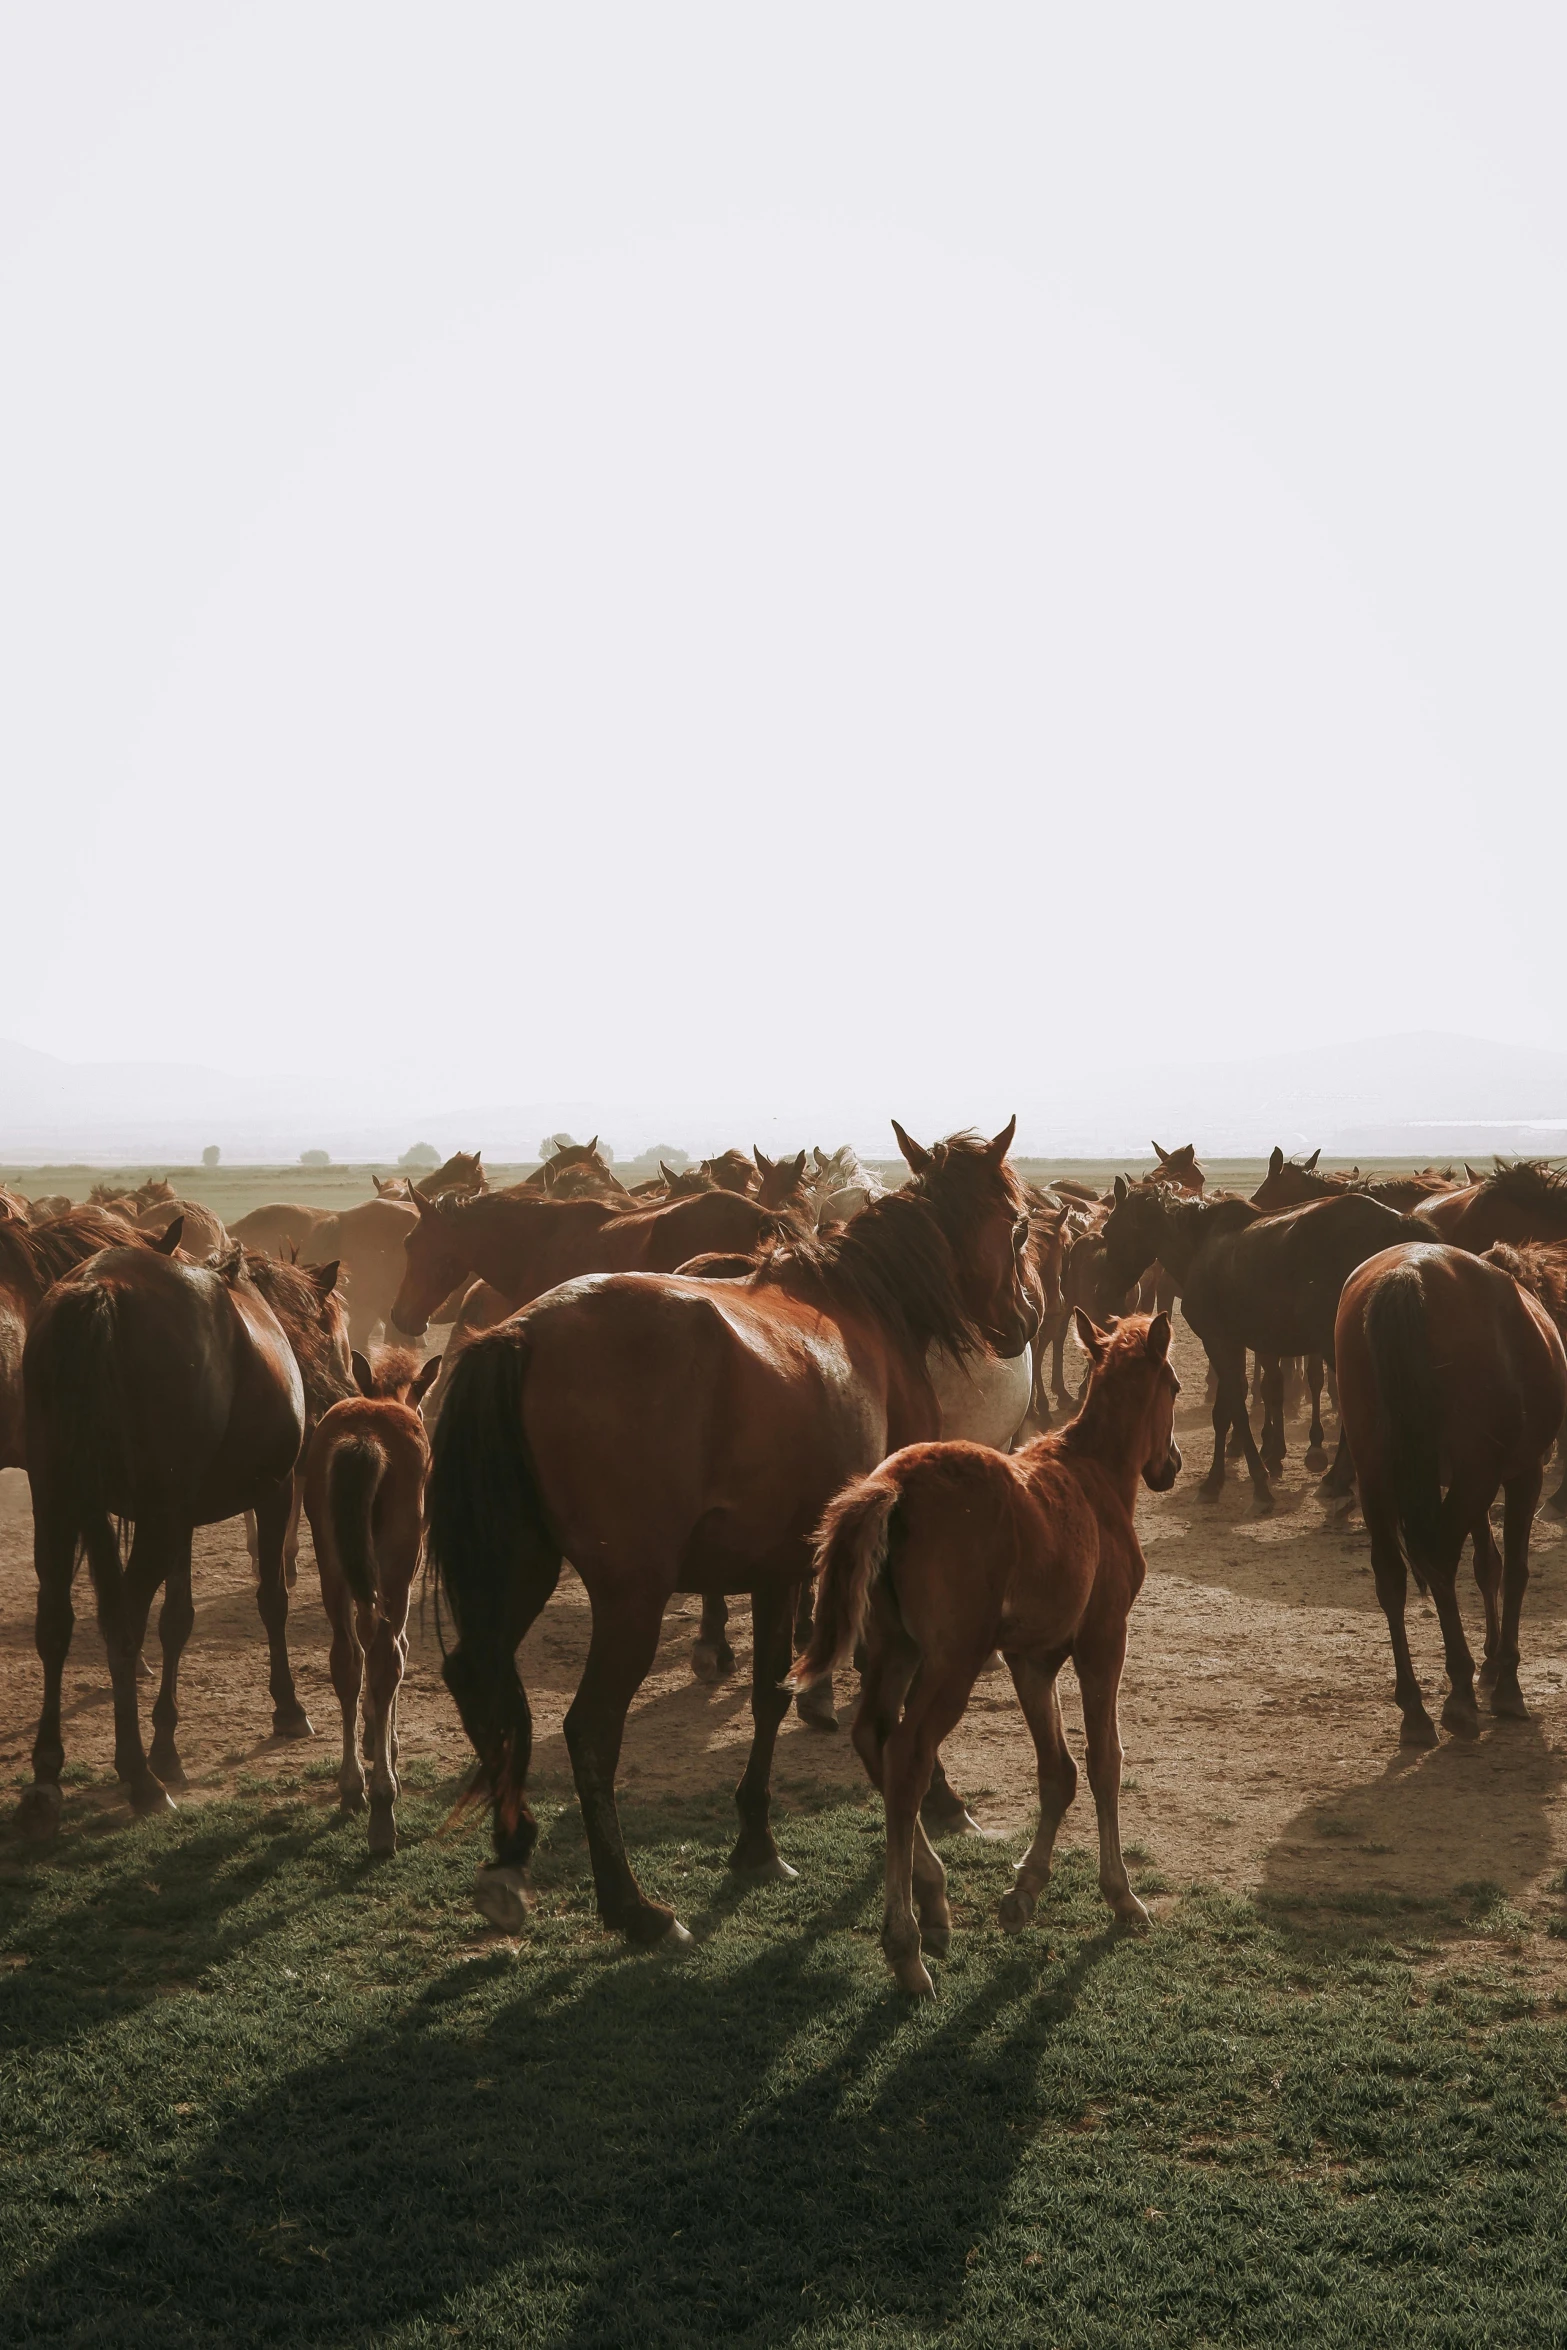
x: 556, y: 1142
x: 315, y: 1158
x: 670, y: 1153
x: 423, y: 1154
x: 211, y: 1155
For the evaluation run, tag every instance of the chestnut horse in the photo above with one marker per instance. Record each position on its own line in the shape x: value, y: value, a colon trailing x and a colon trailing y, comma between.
x: 947, y: 1552
x: 1524, y: 1200
x: 174, y: 1395
x: 1271, y: 1283
x: 522, y: 1247
x: 1447, y: 1368
x: 364, y: 1497
x: 669, y: 1434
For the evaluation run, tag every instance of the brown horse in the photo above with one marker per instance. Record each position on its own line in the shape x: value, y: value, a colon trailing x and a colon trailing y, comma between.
x: 281, y: 1229
x: 32, y: 1256
x: 522, y: 1247
x: 1448, y: 1368
x: 174, y: 1395
x: 783, y: 1188
x: 1271, y: 1283
x: 947, y: 1552
x: 364, y: 1497
x: 1290, y: 1183
x: 669, y: 1434
x: 1525, y: 1199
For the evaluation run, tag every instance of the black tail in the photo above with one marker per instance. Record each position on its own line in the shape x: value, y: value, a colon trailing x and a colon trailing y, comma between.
x: 1400, y: 1349
x: 484, y: 1505
x: 350, y: 1498
x: 75, y: 1406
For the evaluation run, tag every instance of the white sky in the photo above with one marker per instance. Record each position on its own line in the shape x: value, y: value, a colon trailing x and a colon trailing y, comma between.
x: 650, y: 550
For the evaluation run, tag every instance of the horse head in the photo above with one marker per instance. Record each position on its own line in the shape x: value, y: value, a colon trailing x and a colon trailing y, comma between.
x: 436, y: 1259
x: 979, y: 1204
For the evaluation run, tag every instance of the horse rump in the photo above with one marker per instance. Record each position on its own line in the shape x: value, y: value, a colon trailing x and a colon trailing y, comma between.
x: 356, y: 1471
x: 76, y: 1416
x: 1399, y: 1344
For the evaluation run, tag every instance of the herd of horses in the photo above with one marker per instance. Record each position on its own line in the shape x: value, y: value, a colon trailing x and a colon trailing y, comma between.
x: 776, y: 1378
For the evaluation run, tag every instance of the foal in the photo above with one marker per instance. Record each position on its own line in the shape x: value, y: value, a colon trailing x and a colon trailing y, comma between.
x: 948, y: 1551
x: 364, y: 1495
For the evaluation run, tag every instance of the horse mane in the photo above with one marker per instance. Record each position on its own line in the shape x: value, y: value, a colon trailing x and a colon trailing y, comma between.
x: 44, y: 1253
x: 310, y: 1321
x: 1526, y: 1182
x: 1539, y: 1266
x: 392, y: 1368
x: 897, y: 1259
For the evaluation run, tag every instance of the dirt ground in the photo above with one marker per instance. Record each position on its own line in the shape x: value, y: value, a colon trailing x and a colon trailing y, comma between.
x: 1257, y: 1709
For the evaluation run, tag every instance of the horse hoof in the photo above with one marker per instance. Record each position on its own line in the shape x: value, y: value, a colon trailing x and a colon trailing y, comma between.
x: 1460, y: 1718
x: 1262, y: 1499
x: 504, y: 1896
x: 149, y: 1797
x: 1507, y: 1702
x: 774, y: 1870
x: 952, y: 1818
x: 168, y: 1768
x: 678, y: 1937
x: 351, y: 1801
x: 911, y: 1977
x: 1418, y: 1730
x: 710, y: 1663
x: 814, y: 1705
x: 1014, y: 1911
x: 295, y: 1724
x: 936, y: 1939
x: 383, y: 1830
x: 1316, y: 1458
x: 1209, y: 1490
x: 1129, y: 1912
x: 143, y: 1669
x: 1486, y: 1677
x: 38, y: 1813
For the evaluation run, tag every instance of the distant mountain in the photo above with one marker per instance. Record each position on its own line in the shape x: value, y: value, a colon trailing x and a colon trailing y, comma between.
x: 1422, y: 1094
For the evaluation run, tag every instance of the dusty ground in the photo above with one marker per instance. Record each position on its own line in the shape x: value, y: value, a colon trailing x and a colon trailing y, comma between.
x: 1260, y: 1734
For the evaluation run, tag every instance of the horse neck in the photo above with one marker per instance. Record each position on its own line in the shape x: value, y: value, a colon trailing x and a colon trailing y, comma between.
x: 20, y: 1271
x: 507, y: 1239
x: 1109, y: 1430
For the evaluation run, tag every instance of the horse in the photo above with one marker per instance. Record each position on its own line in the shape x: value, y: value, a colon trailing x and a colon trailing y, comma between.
x: 1271, y: 1283
x: 1526, y: 1199
x: 367, y: 1243
x: 281, y: 1229
x: 947, y: 1552
x: 202, y: 1233
x: 364, y: 1496
x: 673, y: 1434
x: 1448, y: 1367
x: 731, y: 1170
x: 174, y: 1395
x: 32, y: 1257
x: 842, y: 1186
x: 1289, y: 1183
x: 522, y: 1247
x: 783, y: 1188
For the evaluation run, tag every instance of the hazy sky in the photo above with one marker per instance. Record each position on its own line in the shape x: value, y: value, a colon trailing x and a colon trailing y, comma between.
x: 619, y: 549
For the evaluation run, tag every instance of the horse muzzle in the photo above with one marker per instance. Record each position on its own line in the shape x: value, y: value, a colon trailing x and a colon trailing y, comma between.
x: 1161, y: 1479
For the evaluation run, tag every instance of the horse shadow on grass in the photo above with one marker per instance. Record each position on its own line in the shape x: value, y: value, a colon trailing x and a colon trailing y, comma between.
x: 628, y: 2148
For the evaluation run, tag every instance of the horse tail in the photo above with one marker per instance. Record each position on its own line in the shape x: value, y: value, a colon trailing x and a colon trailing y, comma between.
x: 356, y: 1471
x: 73, y: 1387
x: 1400, y: 1348
x: 483, y: 1505
x: 852, y: 1542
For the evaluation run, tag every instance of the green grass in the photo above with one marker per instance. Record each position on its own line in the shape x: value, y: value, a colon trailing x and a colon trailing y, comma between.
x: 257, y: 2089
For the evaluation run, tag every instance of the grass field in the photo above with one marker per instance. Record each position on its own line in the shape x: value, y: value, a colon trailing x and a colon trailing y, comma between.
x: 257, y: 2088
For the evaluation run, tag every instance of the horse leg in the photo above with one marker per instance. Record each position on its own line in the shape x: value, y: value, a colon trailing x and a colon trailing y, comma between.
x: 1099, y: 1679
x: 1058, y: 1386
x: 1272, y: 1448
x: 626, y: 1625
x: 388, y: 1655
x: 1034, y: 1679
x: 755, y: 1856
x: 176, y: 1621
x: 1316, y: 1453
x: 54, y: 1560
x: 943, y: 1810
x: 890, y: 1660
x: 908, y: 1757
x: 347, y: 1666
x: 1488, y: 1578
x: 289, y: 1718
x: 1521, y: 1497
x: 814, y: 1703
x: 712, y: 1658
x: 1339, y: 1482
x: 1387, y: 1566
x: 481, y: 1674
x: 124, y: 1597
x: 1458, y: 1713
x: 1229, y: 1375
x: 291, y: 1536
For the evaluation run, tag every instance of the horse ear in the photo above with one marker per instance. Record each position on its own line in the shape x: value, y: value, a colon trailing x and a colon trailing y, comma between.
x: 1161, y: 1155
x: 1120, y: 1191
x: 1090, y: 1337
x: 424, y: 1382
x: 1001, y: 1143
x: 920, y: 1161
x: 1159, y: 1337
x: 664, y: 1171
x: 171, y: 1239
x: 364, y: 1377
x: 1310, y: 1163
x: 324, y: 1278
x: 1276, y: 1162
x: 799, y: 1166
x: 764, y: 1165
x: 593, y: 1147
x: 548, y: 1171
x: 421, y: 1199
